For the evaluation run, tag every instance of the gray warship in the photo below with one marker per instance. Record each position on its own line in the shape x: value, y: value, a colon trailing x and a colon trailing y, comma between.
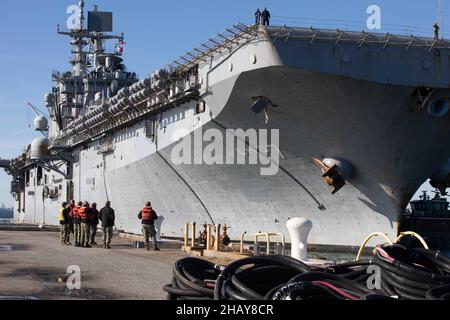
x: 363, y: 122
x: 6, y: 213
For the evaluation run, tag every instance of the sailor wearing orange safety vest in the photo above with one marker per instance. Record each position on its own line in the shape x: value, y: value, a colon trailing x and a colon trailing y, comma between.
x: 77, y: 224
x: 85, y: 218
x: 148, y: 217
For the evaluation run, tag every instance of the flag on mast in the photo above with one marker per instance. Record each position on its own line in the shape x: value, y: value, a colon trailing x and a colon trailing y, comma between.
x: 120, y: 46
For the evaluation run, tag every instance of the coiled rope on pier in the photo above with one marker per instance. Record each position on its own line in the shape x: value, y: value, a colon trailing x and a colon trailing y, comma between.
x: 439, y: 293
x: 405, y: 274
x: 267, y: 278
x: 254, y: 278
x: 411, y: 273
x: 193, y: 279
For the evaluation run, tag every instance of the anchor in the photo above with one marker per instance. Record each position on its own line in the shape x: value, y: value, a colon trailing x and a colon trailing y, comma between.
x: 335, y: 172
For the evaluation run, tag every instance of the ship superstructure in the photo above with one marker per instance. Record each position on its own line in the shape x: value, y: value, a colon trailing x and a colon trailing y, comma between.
x: 430, y: 218
x: 358, y: 111
x: 96, y: 76
x: 6, y: 213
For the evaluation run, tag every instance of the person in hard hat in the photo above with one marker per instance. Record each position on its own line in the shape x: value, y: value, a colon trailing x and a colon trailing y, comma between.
x: 64, y: 221
x: 77, y: 223
x: 436, y: 31
x: 85, y: 218
x: 258, y: 17
x: 148, y: 217
x: 94, y: 223
x: 265, y: 17
x: 108, y: 218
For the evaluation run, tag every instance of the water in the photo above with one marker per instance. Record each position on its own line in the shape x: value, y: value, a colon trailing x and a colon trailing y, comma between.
x: 332, y: 256
x: 6, y: 213
x: 5, y: 221
x: 312, y: 254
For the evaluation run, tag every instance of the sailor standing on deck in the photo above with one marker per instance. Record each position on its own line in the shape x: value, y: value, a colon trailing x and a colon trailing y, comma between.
x: 258, y: 17
x: 108, y: 219
x: 77, y: 223
x: 94, y: 223
x: 64, y: 221
x: 265, y: 17
x: 148, y: 217
x: 436, y: 31
x: 85, y: 219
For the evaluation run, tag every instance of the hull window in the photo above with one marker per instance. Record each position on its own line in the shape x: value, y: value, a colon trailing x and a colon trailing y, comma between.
x: 39, y: 176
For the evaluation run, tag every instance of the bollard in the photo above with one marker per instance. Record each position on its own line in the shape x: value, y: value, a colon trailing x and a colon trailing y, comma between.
x: 208, y: 237
x: 193, y: 235
x: 217, y: 243
x: 186, y: 235
x: 299, y: 229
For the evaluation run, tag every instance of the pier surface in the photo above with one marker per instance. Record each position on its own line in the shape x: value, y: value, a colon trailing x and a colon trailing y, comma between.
x: 33, y: 265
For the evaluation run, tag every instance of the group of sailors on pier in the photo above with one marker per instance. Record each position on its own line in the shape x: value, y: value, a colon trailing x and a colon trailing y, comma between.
x: 82, y: 220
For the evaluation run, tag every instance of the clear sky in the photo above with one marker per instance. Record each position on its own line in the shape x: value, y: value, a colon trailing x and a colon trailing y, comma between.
x: 156, y: 33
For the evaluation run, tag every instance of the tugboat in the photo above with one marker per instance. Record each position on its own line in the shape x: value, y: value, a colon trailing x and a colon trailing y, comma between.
x: 431, y: 219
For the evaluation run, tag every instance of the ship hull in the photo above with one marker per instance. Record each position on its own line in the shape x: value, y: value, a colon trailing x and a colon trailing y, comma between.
x: 388, y: 168
x: 311, y: 125
x: 367, y: 121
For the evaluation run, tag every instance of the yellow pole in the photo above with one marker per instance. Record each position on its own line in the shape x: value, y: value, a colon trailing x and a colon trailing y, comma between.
x: 208, y: 237
x: 193, y: 234
x: 217, y: 243
x: 186, y: 234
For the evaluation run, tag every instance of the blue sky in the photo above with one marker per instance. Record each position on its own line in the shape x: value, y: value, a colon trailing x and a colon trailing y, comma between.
x: 156, y: 33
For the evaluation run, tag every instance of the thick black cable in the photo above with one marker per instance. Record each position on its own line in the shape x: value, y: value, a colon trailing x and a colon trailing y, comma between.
x: 192, y: 279
x: 411, y: 274
x: 407, y: 274
x: 439, y: 293
x: 224, y: 281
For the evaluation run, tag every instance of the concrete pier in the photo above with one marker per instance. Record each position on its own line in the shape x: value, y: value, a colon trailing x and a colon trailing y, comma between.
x: 33, y: 265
